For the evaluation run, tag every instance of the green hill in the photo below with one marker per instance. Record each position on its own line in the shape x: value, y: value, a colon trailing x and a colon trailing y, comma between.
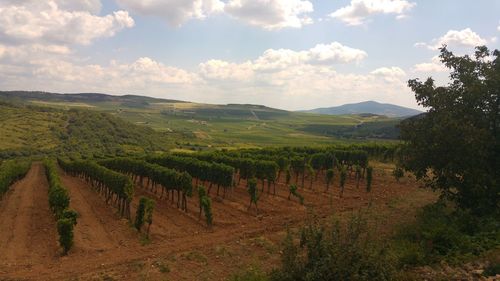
x: 32, y: 130
x: 195, y: 125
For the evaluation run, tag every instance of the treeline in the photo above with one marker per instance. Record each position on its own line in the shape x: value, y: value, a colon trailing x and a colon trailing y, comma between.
x: 59, y: 201
x: 12, y: 171
x: 116, y: 188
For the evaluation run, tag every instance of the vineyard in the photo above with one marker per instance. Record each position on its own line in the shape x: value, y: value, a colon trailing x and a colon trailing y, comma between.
x: 124, y: 208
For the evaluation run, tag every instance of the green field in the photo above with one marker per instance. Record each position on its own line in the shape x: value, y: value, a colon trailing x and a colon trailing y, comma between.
x: 38, y: 122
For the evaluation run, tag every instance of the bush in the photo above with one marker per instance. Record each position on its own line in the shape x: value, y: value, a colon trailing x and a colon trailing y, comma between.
x: 442, y: 232
x: 251, y: 274
x: 335, y: 253
x: 293, y: 191
x: 369, y: 178
x: 398, y: 173
x: 139, y: 215
x: 144, y: 213
x: 65, y: 230
x: 72, y: 215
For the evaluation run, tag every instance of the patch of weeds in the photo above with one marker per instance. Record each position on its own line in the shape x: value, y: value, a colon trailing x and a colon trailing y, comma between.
x: 196, y: 257
x: 137, y: 265
x: 162, y: 267
x: 222, y: 251
x: 265, y: 243
x: 492, y: 270
x: 145, y: 240
x: 250, y: 274
x: 106, y: 277
x: 393, y: 203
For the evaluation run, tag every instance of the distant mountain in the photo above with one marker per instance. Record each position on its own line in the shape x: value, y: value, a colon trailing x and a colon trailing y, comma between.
x: 369, y: 107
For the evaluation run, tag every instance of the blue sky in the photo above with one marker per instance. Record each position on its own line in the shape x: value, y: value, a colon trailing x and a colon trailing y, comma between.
x: 291, y: 54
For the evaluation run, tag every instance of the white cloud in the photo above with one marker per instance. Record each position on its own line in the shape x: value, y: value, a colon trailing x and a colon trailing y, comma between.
x: 435, y: 65
x: 47, y: 23
x: 92, y: 6
x: 271, y: 14
x: 357, y: 12
x: 267, y: 14
x: 282, y: 59
x: 175, y: 12
x: 498, y: 28
x: 393, y: 73
x: 222, y: 70
x: 281, y: 78
x: 455, y: 38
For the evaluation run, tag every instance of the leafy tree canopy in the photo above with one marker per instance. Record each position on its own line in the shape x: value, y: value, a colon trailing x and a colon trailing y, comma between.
x: 454, y: 147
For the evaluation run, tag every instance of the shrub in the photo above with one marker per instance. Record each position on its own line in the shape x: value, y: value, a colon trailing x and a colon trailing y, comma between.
x: 65, y: 230
x: 139, y: 215
x: 369, y: 178
x: 72, y: 215
x: 442, y: 232
x: 398, y: 173
x: 334, y: 253
x: 293, y: 191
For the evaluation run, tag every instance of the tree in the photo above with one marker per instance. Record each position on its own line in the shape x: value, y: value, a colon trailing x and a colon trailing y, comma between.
x: 310, y: 171
x: 207, y: 209
x: 139, y: 215
x: 329, y: 177
x: 293, y: 191
x: 205, y: 205
x: 252, y: 191
x: 369, y: 177
x: 148, y: 214
x: 455, y: 146
x: 357, y: 169
x: 398, y: 173
x: 288, y: 176
x: 283, y: 164
x: 343, y: 176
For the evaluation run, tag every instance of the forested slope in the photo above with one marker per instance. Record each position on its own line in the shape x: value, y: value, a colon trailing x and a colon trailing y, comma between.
x: 32, y: 130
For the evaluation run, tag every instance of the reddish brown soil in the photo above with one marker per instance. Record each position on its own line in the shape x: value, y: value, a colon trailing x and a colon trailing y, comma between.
x: 28, y: 235
x: 181, y: 247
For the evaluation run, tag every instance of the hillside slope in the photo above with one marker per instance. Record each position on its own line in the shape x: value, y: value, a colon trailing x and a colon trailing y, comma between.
x: 197, y: 125
x: 371, y: 107
x: 32, y: 130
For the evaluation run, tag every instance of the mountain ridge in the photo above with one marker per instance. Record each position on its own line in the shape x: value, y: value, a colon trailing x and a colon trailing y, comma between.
x: 370, y: 107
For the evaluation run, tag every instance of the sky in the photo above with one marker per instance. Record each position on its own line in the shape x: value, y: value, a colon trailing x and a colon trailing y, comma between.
x: 288, y: 54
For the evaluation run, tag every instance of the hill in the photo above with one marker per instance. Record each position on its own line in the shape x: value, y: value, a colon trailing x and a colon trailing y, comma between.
x: 33, y: 130
x: 372, y: 107
x: 197, y: 126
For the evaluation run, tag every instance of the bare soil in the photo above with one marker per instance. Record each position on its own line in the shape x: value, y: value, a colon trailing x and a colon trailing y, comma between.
x: 180, y: 247
x: 28, y: 236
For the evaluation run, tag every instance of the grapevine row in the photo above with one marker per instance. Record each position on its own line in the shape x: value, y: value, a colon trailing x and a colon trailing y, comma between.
x: 169, y: 180
x: 214, y: 173
x: 246, y: 168
x: 106, y: 181
x: 10, y: 172
x: 59, y: 201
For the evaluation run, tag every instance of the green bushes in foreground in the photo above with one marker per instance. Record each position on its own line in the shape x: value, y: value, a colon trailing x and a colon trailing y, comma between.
x: 443, y: 232
x: 440, y: 233
x: 334, y: 253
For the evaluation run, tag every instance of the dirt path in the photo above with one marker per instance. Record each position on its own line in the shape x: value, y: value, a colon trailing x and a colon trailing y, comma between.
x: 99, y: 225
x: 27, y: 228
x: 99, y: 228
